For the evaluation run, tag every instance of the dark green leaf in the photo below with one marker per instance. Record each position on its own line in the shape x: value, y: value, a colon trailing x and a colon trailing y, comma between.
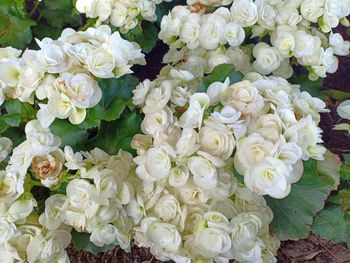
x: 313, y: 87
x: 81, y: 241
x: 117, y: 134
x: 293, y: 215
x: 70, y: 134
x: 219, y: 74
x: 332, y: 224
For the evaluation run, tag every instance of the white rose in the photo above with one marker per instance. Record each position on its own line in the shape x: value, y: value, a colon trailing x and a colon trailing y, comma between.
x: 140, y: 92
x: 225, y: 207
x: 330, y: 62
x: 164, y: 237
x: 312, y: 9
x: 86, y: 6
x: 305, y: 44
x: 51, y: 218
x: 103, y: 9
x: 244, y: 12
x: 158, y: 98
x: 178, y: 176
x: 211, y: 34
x: 288, y: 16
x: 49, y: 247
x: 41, y: 140
x: 156, y: 122
x: 59, y: 106
x: 343, y: 109
x: 268, y: 177
x: 270, y: 127
x: 267, y: 58
x: 20, y: 210
x: 168, y: 209
x: 101, y: 63
x: 232, y: 118
x: 283, y: 40
x: 234, y: 34
x: 5, y: 147
x: 82, y: 195
x: 340, y: 47
x: 190, y: 30
x: 11, y: 186
x: 188, y: 143
x: 118, y: 15
x: 215, y: 89
x: 216, y: 139
x: 244, y: 97
x: 21, y: 159
x: 7, y: 230
x: 148, y: 10
x: 267, y: 15
x: 10, y: 70
x: 306, y: 135
x: 203, y: 171
x: 155, y: 165
x: 51, y: 57
x: 193, y: 116
x: 251, y: 150
x: 239, y: 59
x: 104, y: 235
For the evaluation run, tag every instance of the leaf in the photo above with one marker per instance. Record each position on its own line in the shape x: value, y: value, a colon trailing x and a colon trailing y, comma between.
x: 219, y: 74
x: 293, y: 215
x: 164, y: 8
x: 145, y: 35
x: 117, y: 134
x: 81, y: 241
x: 116, y: 96
x: 70, y: 134
x: 332, y: 224
x: 60, y: 13
x: 12, y: 120
x: 15, y: 29
x: 336, y: 94
x: 313, y: 87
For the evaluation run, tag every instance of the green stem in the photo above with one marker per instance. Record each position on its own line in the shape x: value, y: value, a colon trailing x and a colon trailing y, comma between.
x: 35, y: 7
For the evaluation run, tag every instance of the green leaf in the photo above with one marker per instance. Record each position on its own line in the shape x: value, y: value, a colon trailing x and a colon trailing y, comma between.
x: 219, y: 74
x: 313, y: 87
x: 70, y: 134
x: 332, y: 224
x: 15, y: 29
x: 60, y: 13
x: 145, y: 35
x: 116, y: 95
x: 165, y: 7
x: 336, y: 94
x: 81, y: 241
x: 13, y: 120
x: 293, y: 215
x: 117, y: 134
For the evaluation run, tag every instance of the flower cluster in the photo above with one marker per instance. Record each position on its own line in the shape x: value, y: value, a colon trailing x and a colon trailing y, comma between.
x: 124, y: 14
x: 21, y: 236
x: 272, y: 34
x: 63, y: 70
x: 262, y: 127
x: 97, y: 199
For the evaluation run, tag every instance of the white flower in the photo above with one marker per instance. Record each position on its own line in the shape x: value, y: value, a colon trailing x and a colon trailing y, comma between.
x: 164, y: 237
x: 215, y: 89
x: 178, y: 176
x: 312, y: 9
x: 283, y: 40
x: 211, y: 34
x: 11, y: 186
x: 267, y: 58
x: 10, y: 70
x: 140, y: 92
x: 51, y: 218
x: 51, y: 57
x: 250, y: 151
x: 21, y: 159
x: 155, y: 165
x: 104, y: 235
x: 330, y: 62
x: 216, y: 139
x: 41, y: 140
x: 20, y: 210
x: 244, y: 12
x: 101, y: 63
x: 244, y: 97
x: 203, y: 171
x: 7, y: 230
x: 156, y: 122
x: 340, y: 47
x: 190, y: 30
x: 119, y: 15
x: 103, y: 9
x: 269, y: 126
x: 87, y: 6
x: 234, y: 34
x: 50, y: 247
x: 193, y: 116
x: 5, y: 147
x: 305, y: 44
x: 343, y: 109
x: 188, y: 143
x: 268, y: 177
x: 157, y: 98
